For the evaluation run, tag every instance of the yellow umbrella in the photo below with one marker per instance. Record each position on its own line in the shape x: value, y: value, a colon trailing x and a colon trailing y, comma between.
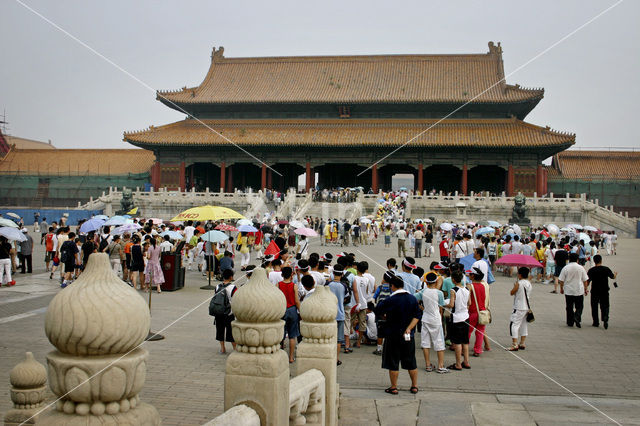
x: 133, y: 211
x: 207, y: 213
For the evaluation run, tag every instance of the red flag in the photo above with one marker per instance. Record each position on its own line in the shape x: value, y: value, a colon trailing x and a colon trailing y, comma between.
x: 273, y: 249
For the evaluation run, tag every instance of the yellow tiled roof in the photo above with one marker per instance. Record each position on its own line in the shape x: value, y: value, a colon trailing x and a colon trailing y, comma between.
x: 354, y: 132
x: 64, y: 162
x: 23, y: 143
x: 355, y: 79
x: 578, y: 164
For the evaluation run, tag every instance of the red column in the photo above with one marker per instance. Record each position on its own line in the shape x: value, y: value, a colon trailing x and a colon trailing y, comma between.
x: 230, y: 179
x: 223, y: 176
x: 464, y: 179
x: 193, y: 184
x: 374, y: 178
x: 420, y: 179
x: 313, y: 178
x: 155, y: 175
x: 539, y: 181
x: 307, y: 185
x: 269, y: 179
x: 510, y: 181
x: 263, y: 179
x: 183, y: 177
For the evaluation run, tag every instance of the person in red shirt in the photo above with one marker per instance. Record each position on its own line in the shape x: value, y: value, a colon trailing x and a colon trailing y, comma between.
x: 444, y: 249
x: 49, y: 247
x: 478, y: 296
x: 290, y: 317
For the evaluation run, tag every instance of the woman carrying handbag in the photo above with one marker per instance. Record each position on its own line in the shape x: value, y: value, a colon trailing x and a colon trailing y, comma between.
x: 521, y: 291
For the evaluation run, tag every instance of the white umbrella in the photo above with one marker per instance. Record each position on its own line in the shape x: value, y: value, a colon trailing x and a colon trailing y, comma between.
x: 294, y: 224
x: 427, y: 220
x: 553, y: 229
x: 585, y: 238
x: 129, y: 227
x: 590, y: 228
x: 564, y: 229
x: 116, y: 220
x: 8, y: 223
x: 574, y: 226
x: 12, y: 234
x: 516, y: 229
x: 446, y: 226
x: 243, y: 222
x: 17, y: 216
x: 365, y: 220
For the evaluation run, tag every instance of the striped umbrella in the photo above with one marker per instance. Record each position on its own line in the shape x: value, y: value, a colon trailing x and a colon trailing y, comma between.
x: 225, y: 227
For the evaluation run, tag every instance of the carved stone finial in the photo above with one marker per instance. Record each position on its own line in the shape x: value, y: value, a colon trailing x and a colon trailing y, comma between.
x: 28, y: 380
x: 98, y: 370
x: 321, y: 307
x: 98, y: 315
x: 258, y: 300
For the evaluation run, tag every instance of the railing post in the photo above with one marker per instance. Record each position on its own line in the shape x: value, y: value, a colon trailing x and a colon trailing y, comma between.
x: 257, y: 374
x: 318, y: 348
x: 98, y: 369
x: 28, y: 390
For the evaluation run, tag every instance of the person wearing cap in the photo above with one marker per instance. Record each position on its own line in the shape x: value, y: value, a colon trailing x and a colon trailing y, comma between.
x: 459, y: 302
x: 479, y: 301
x: 402, y: 314
x: 338, y: 290
x: 432, y: 335
x: 411, y: 282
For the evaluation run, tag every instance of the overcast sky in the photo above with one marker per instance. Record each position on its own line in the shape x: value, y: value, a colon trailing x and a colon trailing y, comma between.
x: 53, y: 88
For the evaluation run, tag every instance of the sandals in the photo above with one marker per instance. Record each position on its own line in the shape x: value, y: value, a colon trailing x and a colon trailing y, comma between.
x: 348, y: 350
x: 454, y: 367
x: 466, y: 367
x: 522, y: 347
x: 430, y: 368
x: 512, y: 349
x: 391, y: 390
x: 339, y: 362
x: 413, y: 390
x: 476, y: 354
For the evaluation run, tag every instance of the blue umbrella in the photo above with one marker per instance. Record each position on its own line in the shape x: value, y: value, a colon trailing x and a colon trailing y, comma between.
x: 468, y: 261
x: 215, y: 236
x: 127, y: 227
x: 172, y: 235
x: 247, y: 228
x: 485, y: 230
x: 101, y: 216
x: 92, y: 225
x: 116, y: 220
x: 493, y: 223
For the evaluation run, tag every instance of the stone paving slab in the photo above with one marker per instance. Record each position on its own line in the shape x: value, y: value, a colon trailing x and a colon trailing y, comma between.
x: 185, y: 372
x: 500, y: 414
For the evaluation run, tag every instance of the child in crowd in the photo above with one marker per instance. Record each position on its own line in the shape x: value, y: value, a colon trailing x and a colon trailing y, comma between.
x: 432, y: 335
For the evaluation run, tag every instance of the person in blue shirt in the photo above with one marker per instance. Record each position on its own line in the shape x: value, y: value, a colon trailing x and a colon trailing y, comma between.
x: 402, y: 313
x: 338, y: 290
x: 226, y: 262
x: 411, y: 281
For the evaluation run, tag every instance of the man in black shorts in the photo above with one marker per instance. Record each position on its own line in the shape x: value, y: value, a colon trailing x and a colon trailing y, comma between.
x: 69, y: 257
x: 402, y: 314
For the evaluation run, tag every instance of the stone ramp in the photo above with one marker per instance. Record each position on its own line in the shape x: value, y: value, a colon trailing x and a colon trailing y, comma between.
x: 374, y: 407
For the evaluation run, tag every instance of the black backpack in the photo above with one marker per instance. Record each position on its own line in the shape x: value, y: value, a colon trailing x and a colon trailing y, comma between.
x: 220, y: 303
x: 347, y: 287
x: 65, y: 255
x: 103, y: 245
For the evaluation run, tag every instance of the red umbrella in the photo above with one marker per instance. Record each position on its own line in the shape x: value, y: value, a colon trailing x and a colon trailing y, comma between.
x: 225, y: 227
x: 519, y: 260
x: 283, y: 222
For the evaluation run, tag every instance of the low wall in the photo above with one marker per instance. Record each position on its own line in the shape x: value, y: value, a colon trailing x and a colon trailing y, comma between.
x: 52, y: 215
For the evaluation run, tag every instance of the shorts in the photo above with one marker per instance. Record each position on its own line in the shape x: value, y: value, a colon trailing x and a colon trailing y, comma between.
x: 340, y: 331
x: 550, y: 268
x: 69, y: 266
x: 387, y: 239
x: 398, y: 352
x: 459, y: 333
x: 558, y: 270
x: 347, y: 321
x: 361, y: 316
x: 432, y: 336
x: 127, y: 261
x: 492, y: 258
x: 291, y: 322
x: 223, y: 328
x: 137, y: 267
x: 48, y: 257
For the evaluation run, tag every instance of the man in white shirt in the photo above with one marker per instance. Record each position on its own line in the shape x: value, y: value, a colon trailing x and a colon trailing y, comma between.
x: 516, y: 245
x: 402, y: 237
x: 574, y: 282
x: 363, y: 286
x: 478, y: 255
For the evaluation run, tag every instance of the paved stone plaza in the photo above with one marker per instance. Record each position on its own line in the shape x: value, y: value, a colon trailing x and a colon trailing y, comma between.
x: 185, y: 372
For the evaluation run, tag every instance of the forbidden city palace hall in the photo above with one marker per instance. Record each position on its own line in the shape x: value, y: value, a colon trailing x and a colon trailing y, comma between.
x: 335, y: 116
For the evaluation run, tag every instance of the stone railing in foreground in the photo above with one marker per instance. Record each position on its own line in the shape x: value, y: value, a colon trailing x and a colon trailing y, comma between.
x: 257, y: 374
x: 97, y: 326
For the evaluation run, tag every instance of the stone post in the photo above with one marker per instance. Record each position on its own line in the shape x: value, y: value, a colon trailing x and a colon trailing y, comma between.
x: 28, y: 387
x: 257, y: 374
x: 318, y: 348
x: 97, y: 325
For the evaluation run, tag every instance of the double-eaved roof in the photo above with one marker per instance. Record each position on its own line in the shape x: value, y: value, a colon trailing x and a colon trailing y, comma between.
x: 451, y: 133
x: 354, y: 80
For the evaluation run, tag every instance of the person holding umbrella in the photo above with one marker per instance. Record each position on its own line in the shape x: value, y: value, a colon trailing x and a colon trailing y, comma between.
x: 518, y: 325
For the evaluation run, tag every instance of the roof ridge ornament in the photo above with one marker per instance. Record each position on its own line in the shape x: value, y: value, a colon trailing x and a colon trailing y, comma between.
x: 495, y: 49
x: 217, y: 54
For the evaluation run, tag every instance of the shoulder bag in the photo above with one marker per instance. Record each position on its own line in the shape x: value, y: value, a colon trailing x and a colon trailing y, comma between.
x: 484, y: 316
x: 530, y: 316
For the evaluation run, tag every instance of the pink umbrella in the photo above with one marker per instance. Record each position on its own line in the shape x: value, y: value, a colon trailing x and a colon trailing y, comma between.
x: 224, y: 227
x: 306, y: 231
x: 155, y: 220
x: 519, y: 260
